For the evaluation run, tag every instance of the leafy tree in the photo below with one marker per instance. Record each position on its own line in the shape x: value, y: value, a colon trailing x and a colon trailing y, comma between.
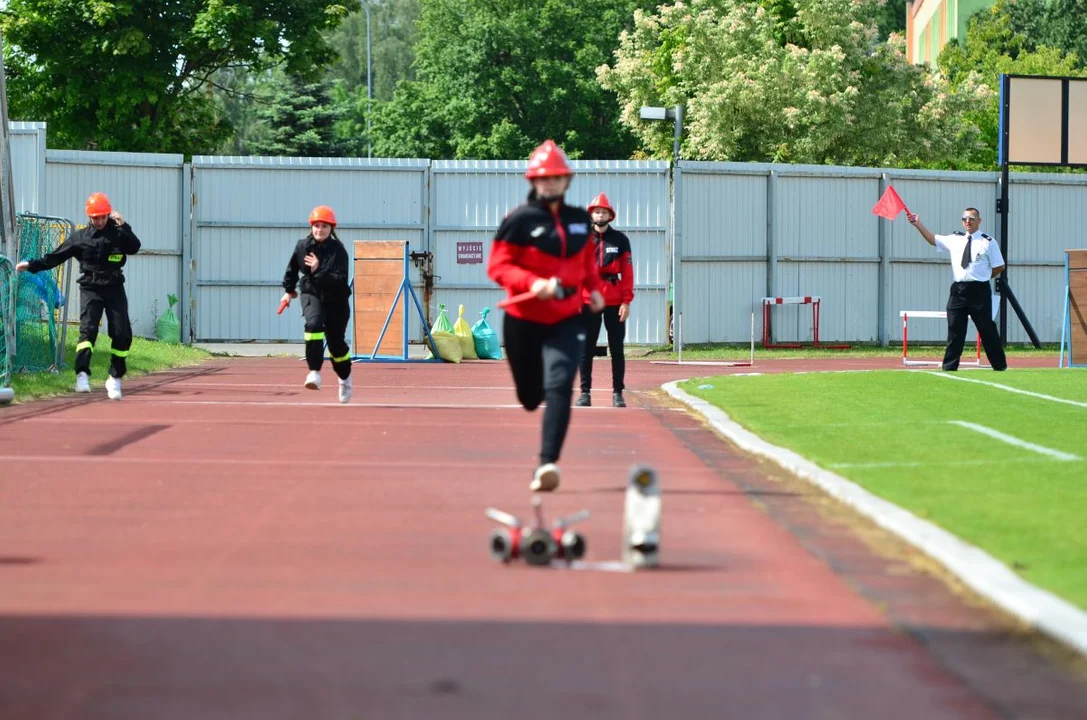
x: 300, y: 121
x: 890, y: 16
x: 392, y: 39
x: 799, y: 81
x: 496, y: 77
x: 993, y: 46
x: 1065, y: 27
x: 240, y: 94
x: 134, y: 74
x: 1034, y: 24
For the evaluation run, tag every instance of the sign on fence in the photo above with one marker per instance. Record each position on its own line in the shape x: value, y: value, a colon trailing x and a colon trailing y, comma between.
x: 469, y: 253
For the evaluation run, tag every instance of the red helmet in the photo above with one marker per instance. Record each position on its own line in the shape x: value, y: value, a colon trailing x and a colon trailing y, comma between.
x: 601, y: 202
x: 548, y: 160
x: 98, y: 205
x: 322, y: 213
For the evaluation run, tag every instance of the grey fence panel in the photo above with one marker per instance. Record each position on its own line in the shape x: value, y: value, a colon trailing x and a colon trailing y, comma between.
x: 28, y: 166
x: 810, y: 231
x: 1047, y: 214
x: 825, y: 244
x: 748, y: 230
x: 470, y: 199
x: 146, y: 189
x: 723, y: 253
x: 249, y: 213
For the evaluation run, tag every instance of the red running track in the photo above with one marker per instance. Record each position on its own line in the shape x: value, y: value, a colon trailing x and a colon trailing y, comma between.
x: 226, y: 544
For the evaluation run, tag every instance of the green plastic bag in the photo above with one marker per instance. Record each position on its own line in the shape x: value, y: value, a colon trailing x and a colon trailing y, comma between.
x: 168, y: 329
x: 467, y: 340
x: 485, y: 338
x: 449, y: 348
x: 441, y: 325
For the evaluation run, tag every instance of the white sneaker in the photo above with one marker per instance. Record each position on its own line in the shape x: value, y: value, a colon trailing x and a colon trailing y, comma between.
x: 345, y: 390
x: 113, y: 388
x: 313, y: 380
x: 82, y: 382
x: 546, y: 478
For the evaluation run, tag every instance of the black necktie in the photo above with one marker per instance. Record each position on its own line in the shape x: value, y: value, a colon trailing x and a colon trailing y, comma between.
x: 966, y: 251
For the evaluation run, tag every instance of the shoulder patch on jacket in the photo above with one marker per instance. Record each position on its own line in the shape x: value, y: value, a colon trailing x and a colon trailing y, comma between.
x: 987, y: 237
x: 958, y: 232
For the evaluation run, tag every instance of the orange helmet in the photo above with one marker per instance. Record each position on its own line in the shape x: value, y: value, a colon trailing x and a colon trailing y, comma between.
x: 98, y: 204
x: 601, y: 202
x: 548, y: 160
x: 322, y: 213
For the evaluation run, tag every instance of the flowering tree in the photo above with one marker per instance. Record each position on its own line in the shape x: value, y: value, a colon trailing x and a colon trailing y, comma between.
x: 798, y: 81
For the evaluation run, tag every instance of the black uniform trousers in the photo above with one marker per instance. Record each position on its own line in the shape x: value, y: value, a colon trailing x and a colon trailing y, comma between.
x: 94, y: 300
x: 617, y: 332
x: 543, y: 359
x: 326, y: 322
x: 972, y: 300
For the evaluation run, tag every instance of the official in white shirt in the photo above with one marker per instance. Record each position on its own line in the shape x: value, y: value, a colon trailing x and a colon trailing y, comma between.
x: 975, y: 260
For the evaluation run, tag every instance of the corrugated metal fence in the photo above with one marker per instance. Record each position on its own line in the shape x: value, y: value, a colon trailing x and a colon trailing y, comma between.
x: 218, y: 232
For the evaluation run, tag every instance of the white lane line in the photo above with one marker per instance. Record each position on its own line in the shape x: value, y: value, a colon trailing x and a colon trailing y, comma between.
x: 949, y: 463
x: 1012, y: 440
x: 273, y: 403
x: 358, y: 386
x: 953, y: 376
x: 153, y: 401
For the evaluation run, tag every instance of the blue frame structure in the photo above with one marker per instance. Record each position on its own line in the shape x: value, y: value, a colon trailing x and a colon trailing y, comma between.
x: 405, y: 291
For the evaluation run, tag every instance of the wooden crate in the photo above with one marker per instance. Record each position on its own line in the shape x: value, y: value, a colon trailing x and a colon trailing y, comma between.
x: 1077, y: 290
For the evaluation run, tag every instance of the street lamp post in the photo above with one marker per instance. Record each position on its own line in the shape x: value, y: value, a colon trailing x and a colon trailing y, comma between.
x: 675, y: 114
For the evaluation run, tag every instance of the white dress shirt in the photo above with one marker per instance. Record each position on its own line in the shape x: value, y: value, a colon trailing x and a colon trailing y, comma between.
x: 984, y: 255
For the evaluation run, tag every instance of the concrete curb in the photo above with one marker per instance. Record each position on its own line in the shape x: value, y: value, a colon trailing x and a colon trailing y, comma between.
x: 975, y: 568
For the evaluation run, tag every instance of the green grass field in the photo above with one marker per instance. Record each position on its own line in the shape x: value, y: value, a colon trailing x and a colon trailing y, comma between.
x: 144, y: 357
x: 1006, y: 471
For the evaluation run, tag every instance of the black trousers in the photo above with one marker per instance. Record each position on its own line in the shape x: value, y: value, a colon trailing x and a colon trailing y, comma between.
x: 112, y: 300
x: 543, y: 359
x: 617, y: 333
x: 326, y: 322
x: 972, y: 300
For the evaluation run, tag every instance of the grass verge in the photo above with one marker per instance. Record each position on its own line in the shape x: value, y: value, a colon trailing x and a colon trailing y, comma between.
x: 145, y: 356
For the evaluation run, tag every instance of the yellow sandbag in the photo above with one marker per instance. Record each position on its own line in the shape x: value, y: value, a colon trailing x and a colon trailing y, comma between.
x: 463, y: 331
x: 448, y: 346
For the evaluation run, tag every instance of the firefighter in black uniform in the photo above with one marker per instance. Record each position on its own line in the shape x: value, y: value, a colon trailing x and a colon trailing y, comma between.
x: 322, y: 260
x: 102, y: 248
x: 612, y: 251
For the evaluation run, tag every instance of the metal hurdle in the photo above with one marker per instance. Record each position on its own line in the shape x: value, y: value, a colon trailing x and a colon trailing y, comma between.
x: 713, y: 363
x: 907, y: 314
x: 814, y: 301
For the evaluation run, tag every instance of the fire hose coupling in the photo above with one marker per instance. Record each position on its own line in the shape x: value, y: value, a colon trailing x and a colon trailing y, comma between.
x: 536, y: 543
x: 642, y: 518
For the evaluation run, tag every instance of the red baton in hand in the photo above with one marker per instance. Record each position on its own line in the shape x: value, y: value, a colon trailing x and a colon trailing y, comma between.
x: 516, y: 299
x: 282, y: 306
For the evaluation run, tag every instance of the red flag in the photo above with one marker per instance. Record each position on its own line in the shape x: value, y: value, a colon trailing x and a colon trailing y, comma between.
x: 890, y: 204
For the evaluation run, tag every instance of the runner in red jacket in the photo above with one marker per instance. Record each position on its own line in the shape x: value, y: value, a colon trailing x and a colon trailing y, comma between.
x: 611, y: 249
x: 543, y: 246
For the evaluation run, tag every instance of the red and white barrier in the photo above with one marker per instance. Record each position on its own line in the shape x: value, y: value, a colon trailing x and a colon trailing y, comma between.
x: 711, y: 363
x: 906, y: 315
x: 814, y: 301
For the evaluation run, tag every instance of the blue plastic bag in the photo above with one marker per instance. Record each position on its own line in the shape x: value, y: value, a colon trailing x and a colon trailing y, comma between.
x: 485, y: 338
